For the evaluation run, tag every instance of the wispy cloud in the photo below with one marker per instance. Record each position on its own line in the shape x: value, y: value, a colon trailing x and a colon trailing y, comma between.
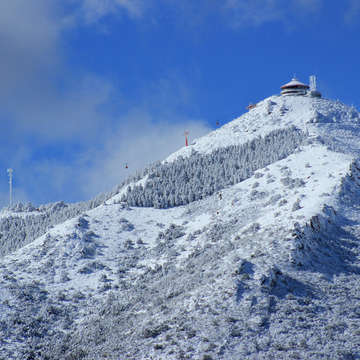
x: 73, y: 114
x: 137, y: 144
x: 93, y: 10
x: 253, y: 12
x: 73, y: 146
x: 353, y: 11
x: 39, y: 114
x: 150, y: 130
x: 237, y: 13
x: 137, y: 141
x: 258, y: 12
x: 28, y: 44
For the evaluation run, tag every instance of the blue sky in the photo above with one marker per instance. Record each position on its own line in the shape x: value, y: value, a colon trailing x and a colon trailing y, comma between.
x: 90, y: 85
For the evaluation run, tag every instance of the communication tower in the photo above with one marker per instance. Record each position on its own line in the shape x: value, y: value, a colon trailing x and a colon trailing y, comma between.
x: 10, y: 172
x: 312, y: 83
x: 313, y: 90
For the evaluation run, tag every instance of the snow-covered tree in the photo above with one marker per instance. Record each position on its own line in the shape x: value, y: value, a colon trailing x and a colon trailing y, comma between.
x: 193, y: 178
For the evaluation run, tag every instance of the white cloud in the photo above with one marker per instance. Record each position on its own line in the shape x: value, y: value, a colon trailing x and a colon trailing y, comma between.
x: 28, y: 44
x: 35, y: 113
x: 72, y: 115
x: 151, y: 130
x: 32, y: 65
x: 48, y: 120
x: 138, y: 143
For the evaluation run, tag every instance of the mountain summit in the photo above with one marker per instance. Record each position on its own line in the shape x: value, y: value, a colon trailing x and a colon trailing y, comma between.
x: 242, y: 245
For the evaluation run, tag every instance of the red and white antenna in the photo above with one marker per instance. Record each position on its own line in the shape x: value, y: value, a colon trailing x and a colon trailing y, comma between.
x: 186, y: 133
x: 10, y: 172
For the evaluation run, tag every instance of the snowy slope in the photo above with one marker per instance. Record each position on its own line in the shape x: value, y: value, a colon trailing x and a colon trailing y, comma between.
x: 260, y: 270
x: 310, y: 114
x: 22, y: 224
x: 330, y: 122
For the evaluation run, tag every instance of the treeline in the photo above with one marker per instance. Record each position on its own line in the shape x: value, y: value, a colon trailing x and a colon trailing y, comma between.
x: 193, y: 178
x: 28, y: 222
x: 19, y: 230
x: 170, y: 184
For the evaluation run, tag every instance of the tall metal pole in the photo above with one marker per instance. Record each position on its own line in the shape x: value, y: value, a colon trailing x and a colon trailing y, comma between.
x: 10, y: 172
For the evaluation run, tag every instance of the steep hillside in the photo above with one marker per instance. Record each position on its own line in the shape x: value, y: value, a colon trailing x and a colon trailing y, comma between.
x: 23, y: 223
x: 262, y: 265
x: 193, y: 178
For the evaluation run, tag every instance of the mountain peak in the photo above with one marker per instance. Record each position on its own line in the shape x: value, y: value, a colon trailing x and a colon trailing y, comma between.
x: 225, y: 244
x: 312, y: 115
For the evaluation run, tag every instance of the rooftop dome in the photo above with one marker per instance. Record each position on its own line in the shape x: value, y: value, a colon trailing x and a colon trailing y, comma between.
x: 294, y: 83
x: 294, y: 87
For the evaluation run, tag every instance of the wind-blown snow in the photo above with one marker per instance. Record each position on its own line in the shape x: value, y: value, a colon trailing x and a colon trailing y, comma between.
x: 266, y: 268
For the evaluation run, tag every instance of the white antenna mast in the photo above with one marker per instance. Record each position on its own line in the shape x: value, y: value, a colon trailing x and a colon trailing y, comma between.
x: 10, y: 172
x: 312, y: 83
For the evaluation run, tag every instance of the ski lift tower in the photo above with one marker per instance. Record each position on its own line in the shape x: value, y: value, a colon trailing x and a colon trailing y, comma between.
x: 10, y: 172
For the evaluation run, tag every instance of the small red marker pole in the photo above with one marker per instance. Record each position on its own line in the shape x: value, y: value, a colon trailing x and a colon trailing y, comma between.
x: 186, y: 133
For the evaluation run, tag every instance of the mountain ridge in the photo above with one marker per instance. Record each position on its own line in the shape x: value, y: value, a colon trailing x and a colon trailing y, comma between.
x: 227, y: 276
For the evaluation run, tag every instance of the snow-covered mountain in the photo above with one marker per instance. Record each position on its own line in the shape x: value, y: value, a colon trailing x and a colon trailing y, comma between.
x: 243, y: 245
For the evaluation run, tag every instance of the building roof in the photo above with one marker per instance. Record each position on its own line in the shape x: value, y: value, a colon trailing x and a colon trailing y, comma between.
x: 294, y: 83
